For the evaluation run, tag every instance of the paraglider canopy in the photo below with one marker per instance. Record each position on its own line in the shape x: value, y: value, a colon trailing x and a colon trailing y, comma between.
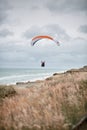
x: 37, y: 38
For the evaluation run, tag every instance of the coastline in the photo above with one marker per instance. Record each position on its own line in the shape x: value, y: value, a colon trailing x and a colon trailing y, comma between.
x: 29, y: 75
x: 55, y: 103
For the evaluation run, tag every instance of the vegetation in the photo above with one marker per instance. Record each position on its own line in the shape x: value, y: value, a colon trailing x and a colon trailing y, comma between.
x: 57, y: 103
x: 6, y: 91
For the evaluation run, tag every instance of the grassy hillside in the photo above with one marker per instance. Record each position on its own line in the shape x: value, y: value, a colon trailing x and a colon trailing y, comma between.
x: 56, y: 103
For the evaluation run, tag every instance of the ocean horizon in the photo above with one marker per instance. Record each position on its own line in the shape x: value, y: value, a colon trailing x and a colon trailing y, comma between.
x: 14, y: 75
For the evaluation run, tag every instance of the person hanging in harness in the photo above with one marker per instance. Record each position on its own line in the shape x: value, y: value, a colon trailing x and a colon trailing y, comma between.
x: 42, y: 63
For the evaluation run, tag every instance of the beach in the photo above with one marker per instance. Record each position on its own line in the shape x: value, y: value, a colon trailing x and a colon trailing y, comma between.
x: 56, y: 103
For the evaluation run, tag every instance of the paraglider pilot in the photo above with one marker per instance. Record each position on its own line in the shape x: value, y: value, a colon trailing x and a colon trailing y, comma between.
x: 42, y: 63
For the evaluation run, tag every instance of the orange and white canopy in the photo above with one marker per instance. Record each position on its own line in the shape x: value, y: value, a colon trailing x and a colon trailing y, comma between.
x: 37, y: 38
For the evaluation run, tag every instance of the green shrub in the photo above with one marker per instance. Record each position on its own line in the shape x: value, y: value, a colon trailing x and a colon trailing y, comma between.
x: 6, y: 91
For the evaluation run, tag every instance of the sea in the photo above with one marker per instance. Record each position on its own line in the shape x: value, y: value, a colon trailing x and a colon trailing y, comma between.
x: 14, y: 75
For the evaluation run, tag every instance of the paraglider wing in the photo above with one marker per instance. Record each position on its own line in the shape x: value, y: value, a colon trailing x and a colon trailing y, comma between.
x: 37, y: 38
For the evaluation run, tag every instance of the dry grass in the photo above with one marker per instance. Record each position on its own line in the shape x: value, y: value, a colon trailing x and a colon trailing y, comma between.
x: 55, y: 104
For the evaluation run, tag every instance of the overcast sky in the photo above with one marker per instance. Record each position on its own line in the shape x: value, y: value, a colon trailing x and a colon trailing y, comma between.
x: 64, y: 20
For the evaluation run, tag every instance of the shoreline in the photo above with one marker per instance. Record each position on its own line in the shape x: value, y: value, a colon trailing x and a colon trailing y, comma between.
x: 28, y: 80
x: 43, y: 79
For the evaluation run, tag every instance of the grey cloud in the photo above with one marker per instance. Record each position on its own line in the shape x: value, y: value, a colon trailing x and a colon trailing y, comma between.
x: 2, y: 17
x: 67, y: 5
x: 28, y: 4
x: 5, y: 33
x: 4, y: 7
x: 32, y: 31
x: 83, y: 29
x: 78, y: 46
x: 54, y: 5
x: 53, y: 29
